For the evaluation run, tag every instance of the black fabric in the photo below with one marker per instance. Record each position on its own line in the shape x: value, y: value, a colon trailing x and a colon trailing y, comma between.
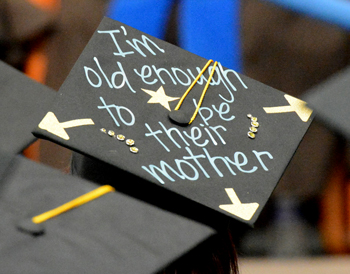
x: 111, y: 234
x: 111, y: 84
x: 5, y: 162
x: 23, y: 102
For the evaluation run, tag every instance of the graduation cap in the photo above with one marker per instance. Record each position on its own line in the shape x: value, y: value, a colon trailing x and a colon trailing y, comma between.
x: 330, y: 100
x: 174, y: 129
x: 57, y: 223
x: 23, y: 102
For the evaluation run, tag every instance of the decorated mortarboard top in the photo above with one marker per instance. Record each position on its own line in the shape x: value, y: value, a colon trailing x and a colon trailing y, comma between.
x: 23, y: 102
x: 118, y: 106
x: 90, y: 230
x: 330, y: 101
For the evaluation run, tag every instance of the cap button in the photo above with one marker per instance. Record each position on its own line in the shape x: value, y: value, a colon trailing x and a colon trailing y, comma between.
x: 28, y: 226
x: 178, y: 117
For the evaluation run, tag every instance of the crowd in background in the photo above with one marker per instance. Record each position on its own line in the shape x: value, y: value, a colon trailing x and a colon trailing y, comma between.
x: 283, y: 49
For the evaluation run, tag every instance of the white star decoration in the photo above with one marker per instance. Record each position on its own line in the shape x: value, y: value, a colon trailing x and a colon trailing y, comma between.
x: 159, y: 97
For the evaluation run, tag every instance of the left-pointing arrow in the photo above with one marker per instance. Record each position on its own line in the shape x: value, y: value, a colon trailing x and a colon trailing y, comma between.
x: 51, y: 124
x: 244, y: 211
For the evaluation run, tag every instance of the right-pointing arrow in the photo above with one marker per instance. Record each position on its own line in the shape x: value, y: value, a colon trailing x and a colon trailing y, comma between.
x: 295, y: 105
x: 244, y: 211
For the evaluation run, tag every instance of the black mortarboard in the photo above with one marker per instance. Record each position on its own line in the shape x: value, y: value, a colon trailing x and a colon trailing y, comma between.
x: 112, y: 233
x: 330, y: 100
x: 23, y: 102
x: 126, y: 84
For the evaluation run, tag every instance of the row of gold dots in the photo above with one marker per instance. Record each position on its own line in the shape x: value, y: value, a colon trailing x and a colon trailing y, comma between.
x: 120, y: 137
x: 253, y: 129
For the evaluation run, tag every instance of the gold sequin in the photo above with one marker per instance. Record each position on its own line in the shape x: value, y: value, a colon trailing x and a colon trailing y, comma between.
x: 130, y: 142
x: 253, y: 129
x: 251, y: 135
x: 254, y: 124
x: 111, y: 133
x: 103, y: 130
x: 120, y: 137
x: 134, y: 150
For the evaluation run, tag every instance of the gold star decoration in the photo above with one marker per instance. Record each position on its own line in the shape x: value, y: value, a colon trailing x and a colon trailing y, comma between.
x: 159, y: 97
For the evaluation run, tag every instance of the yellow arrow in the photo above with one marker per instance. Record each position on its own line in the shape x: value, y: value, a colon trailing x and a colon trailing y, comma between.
x: 52, y: 125
x: 296, y: 105
x: 244, y: 211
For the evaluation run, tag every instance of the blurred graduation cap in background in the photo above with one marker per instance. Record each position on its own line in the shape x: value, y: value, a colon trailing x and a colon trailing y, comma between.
x: 217, y: 152
x: 330, y: 101
x: 57, y: 223
x: 23, y: 102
